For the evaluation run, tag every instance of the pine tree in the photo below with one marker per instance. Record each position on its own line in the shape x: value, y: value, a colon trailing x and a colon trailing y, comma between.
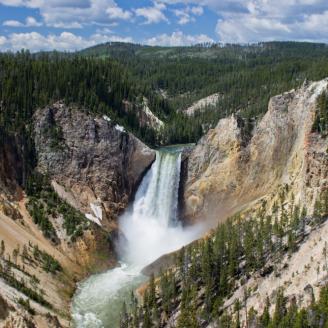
x: 225, y: 320
x: 2, y: 248
x: 317, y: 212
x: 301, y: 320
x: 237, y: 308
x: 265, y: 317
x: 280, y: 308
x: 152, y: 292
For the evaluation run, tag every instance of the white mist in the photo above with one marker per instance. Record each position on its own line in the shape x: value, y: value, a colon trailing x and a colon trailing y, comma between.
x: 150, y: 229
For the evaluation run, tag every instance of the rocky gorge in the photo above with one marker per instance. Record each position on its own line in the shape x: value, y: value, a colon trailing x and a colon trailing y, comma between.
x: 234, y: 165
x: 262, y: 171
x: 95, y: 166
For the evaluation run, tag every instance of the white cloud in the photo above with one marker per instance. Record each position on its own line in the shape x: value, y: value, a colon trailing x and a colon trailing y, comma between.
x: 12, y: 23
x: 101, y: 38
x: 183, y: 16
x: 187, y: 14
x: 65, y: 41
x: 316, y: 23
x: 258, y: 26
x: 22, y: 3
x: 74, y: 13
x: 178, y: 39
x: 197, y: 10
x: 29, y: 22
x: 66, y: 25
x: 3, y: 40
x: 32, y: 22
x: 250, y: 29
x: 219, y: 6
x: 238, y: 20
x: 263, y: 20
x: 152, y: 14
x: 70, y: 15
x: 116, y: 12
x: 104, y: 30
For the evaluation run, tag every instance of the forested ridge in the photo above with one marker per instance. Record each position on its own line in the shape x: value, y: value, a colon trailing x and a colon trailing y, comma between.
x: 102, y: 78
x: 28, y: 82
x: 245, y: 77
x: 99, y: 86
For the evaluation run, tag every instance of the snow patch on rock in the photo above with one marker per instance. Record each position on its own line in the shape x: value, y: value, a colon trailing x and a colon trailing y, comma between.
x: 97, y: 210
x: 106, y: 118
x: 96, y: 216
x: 90, y: 217
x: 119, y: 128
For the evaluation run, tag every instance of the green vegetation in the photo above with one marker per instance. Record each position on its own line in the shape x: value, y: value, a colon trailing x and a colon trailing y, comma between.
x: 44, y: 203
x: 49, y: 263
x: 8, y: 275
x: 36, y: 208
x: 16, y: 276
x: 100, y: 79
x: 315, y: 316
x: 100, y: 86
x: 320, y: 124
x: 26, y: 305
x: 54, y: 134
x: 245, y: 77
x: 207, y: 272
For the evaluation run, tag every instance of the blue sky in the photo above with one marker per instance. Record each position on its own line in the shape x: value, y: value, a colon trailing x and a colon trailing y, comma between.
x: 74, y: 24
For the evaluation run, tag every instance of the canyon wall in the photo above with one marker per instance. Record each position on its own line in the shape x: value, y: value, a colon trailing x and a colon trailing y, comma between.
x: 270, y: 172
x: 231, y: 166
x: 94, y: 166
x: 93, y: 163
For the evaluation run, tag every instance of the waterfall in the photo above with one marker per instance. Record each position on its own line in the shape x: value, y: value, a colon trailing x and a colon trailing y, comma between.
x: 150, y: 228
x: 157, y: 197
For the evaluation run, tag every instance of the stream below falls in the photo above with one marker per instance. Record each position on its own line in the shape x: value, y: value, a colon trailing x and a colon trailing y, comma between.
x: 151, y: 228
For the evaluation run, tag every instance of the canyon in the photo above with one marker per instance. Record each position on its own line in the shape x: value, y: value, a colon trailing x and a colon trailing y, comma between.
x: 96, y: 167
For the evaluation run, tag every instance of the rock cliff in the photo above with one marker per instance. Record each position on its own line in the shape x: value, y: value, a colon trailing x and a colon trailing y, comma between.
x: 94, y: 166
x: 231, y: 166
x: 146, y: 118
x: 93, y: 163
x: 273, y: 174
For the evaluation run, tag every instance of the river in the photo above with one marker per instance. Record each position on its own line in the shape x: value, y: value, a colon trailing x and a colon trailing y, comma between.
x: 150, y: 228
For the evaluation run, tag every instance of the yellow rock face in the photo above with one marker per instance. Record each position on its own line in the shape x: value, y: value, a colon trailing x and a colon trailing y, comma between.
x: 229, y: 169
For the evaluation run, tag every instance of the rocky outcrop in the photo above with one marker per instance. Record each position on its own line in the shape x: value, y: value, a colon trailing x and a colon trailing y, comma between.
x: 12, y: 166
x: 4, y: 308
x: 202, y: 104
x: 145, y: 116
x: 94, y: 164
x: 298, y: 275
x: 229, y: 168
x: 268, y: 172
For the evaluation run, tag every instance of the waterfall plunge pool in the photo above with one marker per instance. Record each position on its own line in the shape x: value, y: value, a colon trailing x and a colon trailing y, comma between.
x: 151, y: 229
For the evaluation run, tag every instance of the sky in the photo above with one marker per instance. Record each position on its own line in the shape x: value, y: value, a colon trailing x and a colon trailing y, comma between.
x: 69, y: 25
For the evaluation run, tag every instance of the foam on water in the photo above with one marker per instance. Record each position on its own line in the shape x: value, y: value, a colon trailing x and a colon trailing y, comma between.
x: 151, y: 229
